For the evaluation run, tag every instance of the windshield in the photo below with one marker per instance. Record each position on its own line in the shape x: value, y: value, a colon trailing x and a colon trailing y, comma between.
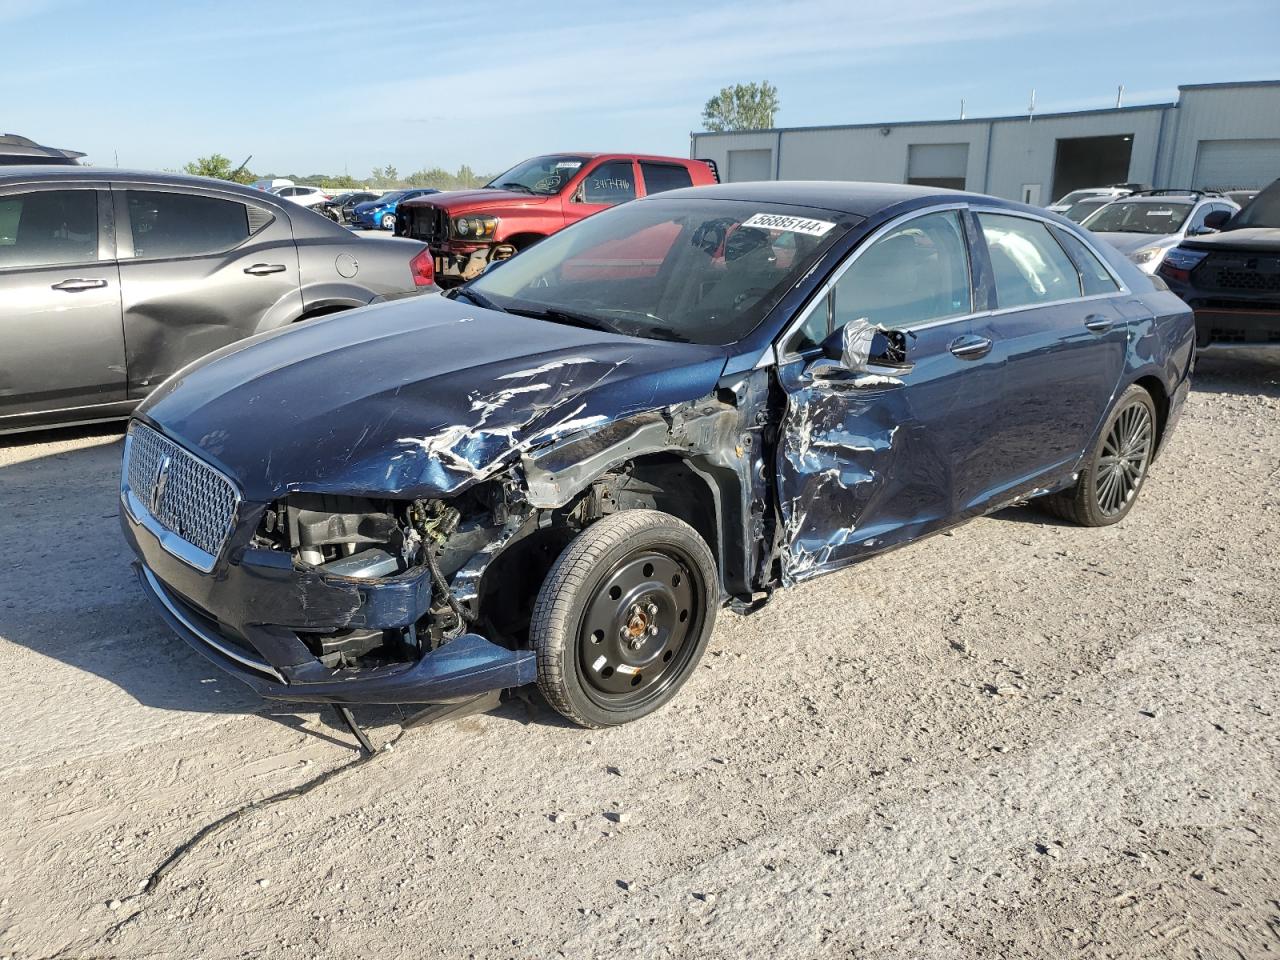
x: 1140, y: 217
x: 697, y: 271
x: 390, y: 197
x: 1262, y: 211
x: 543, y: 176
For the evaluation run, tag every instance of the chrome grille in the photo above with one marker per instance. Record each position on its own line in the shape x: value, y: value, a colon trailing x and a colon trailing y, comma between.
x: 180, y: 492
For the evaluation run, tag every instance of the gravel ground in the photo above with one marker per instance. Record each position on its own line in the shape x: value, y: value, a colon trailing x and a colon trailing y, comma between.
x: 1018, y: 739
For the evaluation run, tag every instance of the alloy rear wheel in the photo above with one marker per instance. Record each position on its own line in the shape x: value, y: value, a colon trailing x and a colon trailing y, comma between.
x: 1108, y: 485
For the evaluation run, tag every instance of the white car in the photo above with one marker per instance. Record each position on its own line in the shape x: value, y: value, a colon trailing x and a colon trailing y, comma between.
x: 1065, y: 203
x: 270, y: 186
x: 303, y: 196
x: 1146, y: 225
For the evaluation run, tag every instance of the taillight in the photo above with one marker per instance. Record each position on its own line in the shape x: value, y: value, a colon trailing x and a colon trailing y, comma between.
x: 423, y: 268
x: 1179, y: 262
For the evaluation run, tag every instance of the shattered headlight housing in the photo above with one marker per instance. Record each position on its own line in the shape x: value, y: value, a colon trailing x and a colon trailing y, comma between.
x: 475, y: 227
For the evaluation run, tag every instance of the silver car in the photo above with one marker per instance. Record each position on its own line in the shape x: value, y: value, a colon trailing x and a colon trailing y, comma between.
x: 1144, y: 226
x: 110, y: 281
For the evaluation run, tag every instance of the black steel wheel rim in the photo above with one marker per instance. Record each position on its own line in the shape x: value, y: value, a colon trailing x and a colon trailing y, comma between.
x: 1126, y: 452
x: 640, y: 627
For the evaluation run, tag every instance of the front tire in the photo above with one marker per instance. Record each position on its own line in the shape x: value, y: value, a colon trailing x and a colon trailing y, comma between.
x: 1108, y: 486
x: 389, y: 221
x: 623, y: 617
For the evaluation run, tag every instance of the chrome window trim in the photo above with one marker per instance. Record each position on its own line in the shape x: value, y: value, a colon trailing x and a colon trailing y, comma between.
x: 172, y: 543
x: 162, y: 594
x: 775, y: 353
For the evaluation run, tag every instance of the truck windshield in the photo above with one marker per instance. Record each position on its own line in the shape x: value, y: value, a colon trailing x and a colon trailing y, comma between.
x: 541, y: 175
x: 690, y: 270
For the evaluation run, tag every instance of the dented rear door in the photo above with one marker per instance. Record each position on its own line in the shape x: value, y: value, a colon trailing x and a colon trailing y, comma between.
x: 199, y: 269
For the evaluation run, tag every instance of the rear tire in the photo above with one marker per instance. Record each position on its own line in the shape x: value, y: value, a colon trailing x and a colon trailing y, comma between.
x: 1108, y: 485
x: 623, y: 617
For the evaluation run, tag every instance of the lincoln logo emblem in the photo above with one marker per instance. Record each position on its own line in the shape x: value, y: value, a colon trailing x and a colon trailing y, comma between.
x: 158, y: 485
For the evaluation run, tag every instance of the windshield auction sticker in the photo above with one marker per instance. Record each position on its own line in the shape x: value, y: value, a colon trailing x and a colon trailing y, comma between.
x: 778, y: 221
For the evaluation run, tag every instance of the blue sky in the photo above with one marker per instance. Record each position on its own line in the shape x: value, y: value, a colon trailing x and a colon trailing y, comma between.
x: 323, y: 87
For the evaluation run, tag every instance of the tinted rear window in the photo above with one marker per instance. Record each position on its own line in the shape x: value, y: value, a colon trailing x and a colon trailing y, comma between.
x: 182, y: 225
x: 664, y: 176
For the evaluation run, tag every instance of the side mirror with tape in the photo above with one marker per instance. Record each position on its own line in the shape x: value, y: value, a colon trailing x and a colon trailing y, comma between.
x: 858, y: 349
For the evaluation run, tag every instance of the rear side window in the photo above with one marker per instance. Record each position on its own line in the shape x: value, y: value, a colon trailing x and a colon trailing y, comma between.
x: 610, y: 183
x: 664, y: 176
x: 183, y: 225
x: 1093, y: 275
x: 1030, y: 267
x: 48, y: 227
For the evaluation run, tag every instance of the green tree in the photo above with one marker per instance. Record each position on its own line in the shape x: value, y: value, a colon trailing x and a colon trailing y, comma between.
x: 744, y: 106
x: 220, y: 168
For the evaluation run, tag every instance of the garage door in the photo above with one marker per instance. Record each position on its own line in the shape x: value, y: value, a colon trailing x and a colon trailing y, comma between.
x: 1237, y: 164
x: 750, y: 165
x: 937, y: 164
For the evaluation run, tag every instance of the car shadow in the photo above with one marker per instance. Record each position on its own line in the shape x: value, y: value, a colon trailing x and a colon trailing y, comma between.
x: 1250, y: 371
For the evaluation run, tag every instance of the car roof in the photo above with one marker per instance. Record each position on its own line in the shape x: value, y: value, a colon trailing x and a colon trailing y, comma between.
x: 35, y: 173
x: 621, y: 154
x: 1164, y: 198
x: 862, y: 199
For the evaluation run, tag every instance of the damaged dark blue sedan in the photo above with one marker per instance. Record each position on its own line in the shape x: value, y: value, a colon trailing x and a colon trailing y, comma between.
x: 560, y: 471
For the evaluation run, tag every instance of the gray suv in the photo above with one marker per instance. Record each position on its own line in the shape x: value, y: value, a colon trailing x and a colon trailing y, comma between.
x: 110, y: 281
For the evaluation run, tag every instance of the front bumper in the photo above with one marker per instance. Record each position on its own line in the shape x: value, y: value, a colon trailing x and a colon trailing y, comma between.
x: 1238, y: 324
x: 245, y: 615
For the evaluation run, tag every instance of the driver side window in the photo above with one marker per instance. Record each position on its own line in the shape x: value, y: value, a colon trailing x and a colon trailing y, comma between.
x: 610, y: 183
x: 916, y: 273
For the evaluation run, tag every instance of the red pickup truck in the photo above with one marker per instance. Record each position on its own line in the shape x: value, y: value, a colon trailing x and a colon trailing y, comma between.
x: 468, y: 229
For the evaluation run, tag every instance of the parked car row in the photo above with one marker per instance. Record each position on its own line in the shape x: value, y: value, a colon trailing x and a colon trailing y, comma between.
x: 677, y: 395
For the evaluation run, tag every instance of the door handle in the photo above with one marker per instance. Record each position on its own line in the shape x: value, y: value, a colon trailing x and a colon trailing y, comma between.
x: 262, y: 269
x: 76, y: 284
x: 1098, y: 323
x: 970, y: 347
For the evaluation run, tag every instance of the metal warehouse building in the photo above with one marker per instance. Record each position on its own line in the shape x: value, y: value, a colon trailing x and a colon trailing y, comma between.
x: 1219, y: 135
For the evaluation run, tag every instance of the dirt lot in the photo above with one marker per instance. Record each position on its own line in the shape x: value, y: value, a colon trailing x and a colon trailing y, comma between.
x: 1020, y: 739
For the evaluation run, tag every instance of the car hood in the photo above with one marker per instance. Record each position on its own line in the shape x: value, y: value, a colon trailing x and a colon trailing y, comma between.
x: 1128, y: 243
x: 458, y: 201
x: 1262, y: 239
x: 412, y: 398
